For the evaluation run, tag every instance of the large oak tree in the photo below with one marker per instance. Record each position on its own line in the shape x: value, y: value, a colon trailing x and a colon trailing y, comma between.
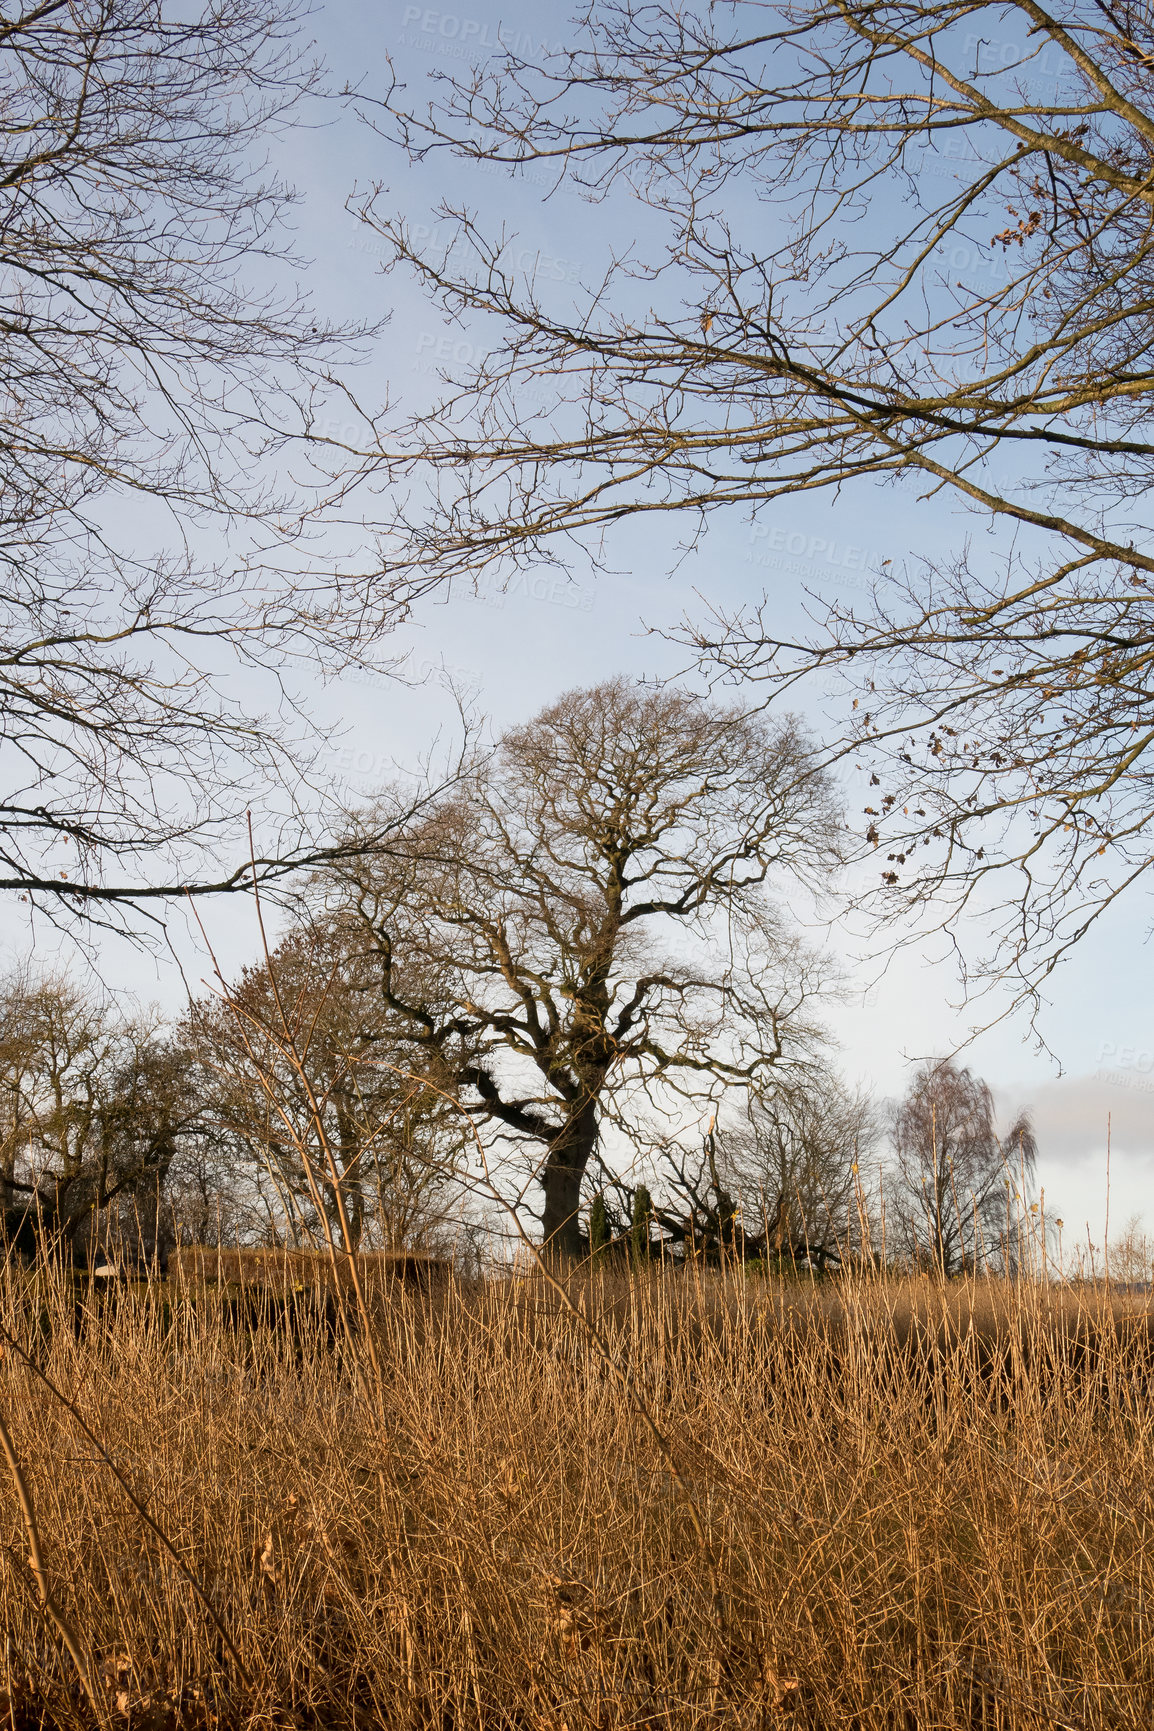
x: 583, y: 936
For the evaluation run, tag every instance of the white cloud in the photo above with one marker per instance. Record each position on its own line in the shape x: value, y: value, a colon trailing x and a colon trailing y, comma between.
x: 1070, y: 1116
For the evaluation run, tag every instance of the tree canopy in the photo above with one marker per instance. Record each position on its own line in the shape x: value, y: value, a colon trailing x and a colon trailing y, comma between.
x: 148, y: 383
x: 897, y: 245
x: 585, y: 932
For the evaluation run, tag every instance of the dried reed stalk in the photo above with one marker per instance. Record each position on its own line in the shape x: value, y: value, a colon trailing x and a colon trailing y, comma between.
x: 40, y: 1570
x: 927, y: 1506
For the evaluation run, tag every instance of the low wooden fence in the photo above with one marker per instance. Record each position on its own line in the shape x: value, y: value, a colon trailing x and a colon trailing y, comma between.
x: 292, y: 1270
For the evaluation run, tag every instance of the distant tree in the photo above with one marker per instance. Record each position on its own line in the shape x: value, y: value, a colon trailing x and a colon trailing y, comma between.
x: 800, y: 1166
x: 600, y: 1232
x: 956, y: 1187
x: 211, y: 1197
x: 1131, y: 1254
x: 640, y: 1226
x: 582, y: 933
x: 780, y: 1178
x: 698, y: 1210
x: 93, y: 1107
x: 312, y: 1090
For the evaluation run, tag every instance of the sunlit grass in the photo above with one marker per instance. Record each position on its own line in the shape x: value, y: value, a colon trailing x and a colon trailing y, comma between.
x: 914, y: 1507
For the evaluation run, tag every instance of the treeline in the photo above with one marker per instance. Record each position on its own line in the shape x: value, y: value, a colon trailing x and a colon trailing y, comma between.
x: 566, y: 990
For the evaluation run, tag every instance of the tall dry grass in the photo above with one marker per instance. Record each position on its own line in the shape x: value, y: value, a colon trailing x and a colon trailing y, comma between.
x: 873, y: 1506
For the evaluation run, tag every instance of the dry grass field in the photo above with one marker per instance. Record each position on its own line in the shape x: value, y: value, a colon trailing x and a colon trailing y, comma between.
x: 699, y: 1502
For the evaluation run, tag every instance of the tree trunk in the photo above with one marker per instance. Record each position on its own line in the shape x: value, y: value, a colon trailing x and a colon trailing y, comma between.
x: 569, y: 1155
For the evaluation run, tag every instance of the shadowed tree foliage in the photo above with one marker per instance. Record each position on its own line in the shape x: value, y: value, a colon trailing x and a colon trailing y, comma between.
x: 600, y: 1231
x: 641, y: 1227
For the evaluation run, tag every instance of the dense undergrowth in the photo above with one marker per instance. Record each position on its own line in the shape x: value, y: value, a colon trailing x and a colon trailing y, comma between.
x: 700, y: 1502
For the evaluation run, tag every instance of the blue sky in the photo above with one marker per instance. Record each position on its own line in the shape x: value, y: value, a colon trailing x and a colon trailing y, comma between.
x: 516, y: 651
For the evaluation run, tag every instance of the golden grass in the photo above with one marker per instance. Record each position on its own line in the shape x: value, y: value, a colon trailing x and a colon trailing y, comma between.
x: 917, y: 1509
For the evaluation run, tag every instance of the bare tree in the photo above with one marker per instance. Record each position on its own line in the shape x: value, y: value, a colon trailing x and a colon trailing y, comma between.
x: 316, y: 1104
x: 146, y: 384
x: 93, y: 1105
x: 521, y: 930
x: 785, y: 1178
x: 908, y: 244
x: 212, y: 1198
x: 801, y: 1167
x: 958, y: 1187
